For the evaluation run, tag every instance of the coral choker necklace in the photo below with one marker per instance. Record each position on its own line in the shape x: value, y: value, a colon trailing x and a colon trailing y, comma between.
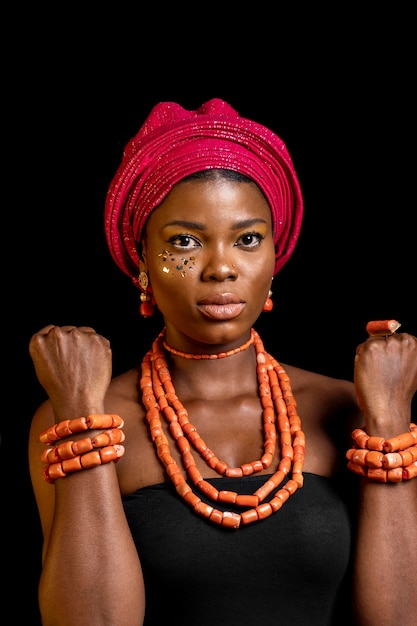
x: 219, y: 355
x: 279, y: 416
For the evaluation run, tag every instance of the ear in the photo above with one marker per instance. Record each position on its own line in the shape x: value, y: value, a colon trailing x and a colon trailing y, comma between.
x: 143, y: 265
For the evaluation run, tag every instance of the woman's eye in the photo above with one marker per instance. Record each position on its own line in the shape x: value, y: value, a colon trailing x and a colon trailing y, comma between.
x: 184, y: 241
x: 249, y: 240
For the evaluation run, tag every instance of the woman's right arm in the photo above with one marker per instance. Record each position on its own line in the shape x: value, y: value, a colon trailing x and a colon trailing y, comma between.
x: 91, y: 572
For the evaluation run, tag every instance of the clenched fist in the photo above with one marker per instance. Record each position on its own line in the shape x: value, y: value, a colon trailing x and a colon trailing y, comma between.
x: 74, y: 366
x: 385, y: 378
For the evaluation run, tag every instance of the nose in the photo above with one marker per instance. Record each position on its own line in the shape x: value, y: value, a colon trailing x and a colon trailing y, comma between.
x: 219, y: 268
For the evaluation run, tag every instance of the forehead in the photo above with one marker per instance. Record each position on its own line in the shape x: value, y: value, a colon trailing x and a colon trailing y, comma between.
x: 206, y: 200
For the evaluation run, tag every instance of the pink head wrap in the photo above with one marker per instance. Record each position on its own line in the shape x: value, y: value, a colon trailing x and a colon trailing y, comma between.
x: 173, y: 143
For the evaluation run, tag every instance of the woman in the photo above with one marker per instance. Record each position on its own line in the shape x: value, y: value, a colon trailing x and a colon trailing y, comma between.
x: 222, y: 485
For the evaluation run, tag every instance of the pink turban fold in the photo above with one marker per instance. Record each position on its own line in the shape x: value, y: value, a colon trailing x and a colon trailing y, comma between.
x: 174, y: 143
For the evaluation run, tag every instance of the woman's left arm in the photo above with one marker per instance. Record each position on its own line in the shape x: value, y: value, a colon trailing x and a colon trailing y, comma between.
x: 385, y: 560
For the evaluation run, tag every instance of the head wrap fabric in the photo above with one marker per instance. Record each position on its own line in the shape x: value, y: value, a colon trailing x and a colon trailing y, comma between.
x: 174, y: 143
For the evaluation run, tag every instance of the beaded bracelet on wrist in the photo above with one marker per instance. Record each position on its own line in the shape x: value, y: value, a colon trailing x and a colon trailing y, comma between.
x: 70, y: 449
x: 72, y: 456
x: 70, y: 427
x: 384, y: 460
x: 82, y: 461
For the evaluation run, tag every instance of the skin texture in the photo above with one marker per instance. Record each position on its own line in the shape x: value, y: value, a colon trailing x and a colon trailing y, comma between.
x: 223, y: 230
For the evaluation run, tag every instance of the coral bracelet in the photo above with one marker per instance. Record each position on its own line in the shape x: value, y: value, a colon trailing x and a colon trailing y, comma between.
x: 73, y: 456
x: 384, y: 460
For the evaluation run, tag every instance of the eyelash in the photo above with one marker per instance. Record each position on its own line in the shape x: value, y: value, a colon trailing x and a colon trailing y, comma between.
x: 258, y: 236
x: 178, y: 240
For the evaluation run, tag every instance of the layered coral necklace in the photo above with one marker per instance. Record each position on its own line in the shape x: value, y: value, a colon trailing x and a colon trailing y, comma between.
x: 280, y: 420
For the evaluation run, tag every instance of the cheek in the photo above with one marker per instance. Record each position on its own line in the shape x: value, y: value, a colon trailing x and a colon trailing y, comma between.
x: 169, y: 268
x: 262, y: 269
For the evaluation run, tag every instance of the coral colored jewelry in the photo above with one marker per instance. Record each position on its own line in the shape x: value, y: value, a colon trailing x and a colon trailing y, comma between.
x: 147, y: 308
x: 268, y: 305
x: 82, y: 461
x: 69, y: 427
x: 160, y: 399
x: 70, y: 449
x: 219, y: 355
x: 384, y: 460
x: 73, y: 456
x: 382, y: 328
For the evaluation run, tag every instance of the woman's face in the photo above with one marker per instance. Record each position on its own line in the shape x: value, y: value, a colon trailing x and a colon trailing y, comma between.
x: 209, y: 253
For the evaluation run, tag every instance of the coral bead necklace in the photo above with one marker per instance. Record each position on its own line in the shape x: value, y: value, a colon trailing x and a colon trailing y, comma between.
x: 279, y: 418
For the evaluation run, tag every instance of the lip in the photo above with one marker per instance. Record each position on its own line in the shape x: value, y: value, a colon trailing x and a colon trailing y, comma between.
x: 221, y: 306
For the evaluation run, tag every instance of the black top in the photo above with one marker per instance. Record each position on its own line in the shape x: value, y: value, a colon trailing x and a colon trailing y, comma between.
x: 286, y: 569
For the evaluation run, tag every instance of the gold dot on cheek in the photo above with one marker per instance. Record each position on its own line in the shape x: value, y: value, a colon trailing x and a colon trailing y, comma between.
x: 165, y: 269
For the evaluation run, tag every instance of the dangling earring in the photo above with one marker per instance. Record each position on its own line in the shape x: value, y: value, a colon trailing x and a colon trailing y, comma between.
x: 269, y: 305
x: 146, y: 308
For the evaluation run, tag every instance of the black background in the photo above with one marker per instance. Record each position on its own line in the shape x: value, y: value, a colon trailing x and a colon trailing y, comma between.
x: 339, y: 89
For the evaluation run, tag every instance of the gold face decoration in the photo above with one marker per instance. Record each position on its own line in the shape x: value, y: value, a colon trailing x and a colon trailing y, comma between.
x: 181, y: 267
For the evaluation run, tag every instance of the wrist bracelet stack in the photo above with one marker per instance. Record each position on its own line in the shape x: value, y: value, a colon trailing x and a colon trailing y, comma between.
x: 384, y: 460
x: 72, y: 456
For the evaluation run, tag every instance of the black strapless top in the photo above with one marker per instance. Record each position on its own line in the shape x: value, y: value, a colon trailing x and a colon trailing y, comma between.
x: 288, y: 569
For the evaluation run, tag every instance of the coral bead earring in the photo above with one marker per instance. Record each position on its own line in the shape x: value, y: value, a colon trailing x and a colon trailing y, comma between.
x: 268, y: 305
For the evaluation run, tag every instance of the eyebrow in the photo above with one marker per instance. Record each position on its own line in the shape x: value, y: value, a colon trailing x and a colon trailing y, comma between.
x: 200, y: 226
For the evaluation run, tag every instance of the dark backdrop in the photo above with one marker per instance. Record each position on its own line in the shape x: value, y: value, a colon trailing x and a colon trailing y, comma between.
x: 342, y: 101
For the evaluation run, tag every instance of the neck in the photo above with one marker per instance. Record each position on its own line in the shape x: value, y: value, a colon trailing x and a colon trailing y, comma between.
x: 218, y: 355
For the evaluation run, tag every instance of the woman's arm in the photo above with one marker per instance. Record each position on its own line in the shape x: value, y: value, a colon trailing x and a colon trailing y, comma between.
x: 91, y: 572
x: 385, y: 564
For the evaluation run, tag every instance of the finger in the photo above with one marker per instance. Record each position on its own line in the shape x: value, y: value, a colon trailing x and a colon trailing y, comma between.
x: 45, y: 330
x: 83, y: 329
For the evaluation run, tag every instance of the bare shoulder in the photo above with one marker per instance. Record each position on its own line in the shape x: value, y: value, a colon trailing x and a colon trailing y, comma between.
x: 329, y: 411
x: 122, y: 398
x: 139, y: 466
x: 124, y: 387
x: 324, y: 398
x: 303, y: 380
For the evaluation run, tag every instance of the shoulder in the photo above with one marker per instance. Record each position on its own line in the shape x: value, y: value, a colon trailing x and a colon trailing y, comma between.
x: 329, y: 411
x: 124, y: 398
x: 323, y: 397
x: 139, y: 466
x: 303, y: 380
x: 123, y: 395
x: 124, y: 385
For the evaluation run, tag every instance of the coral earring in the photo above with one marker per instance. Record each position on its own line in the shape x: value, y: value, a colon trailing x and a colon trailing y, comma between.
x: 146, y: 309
x: 268, y: 306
